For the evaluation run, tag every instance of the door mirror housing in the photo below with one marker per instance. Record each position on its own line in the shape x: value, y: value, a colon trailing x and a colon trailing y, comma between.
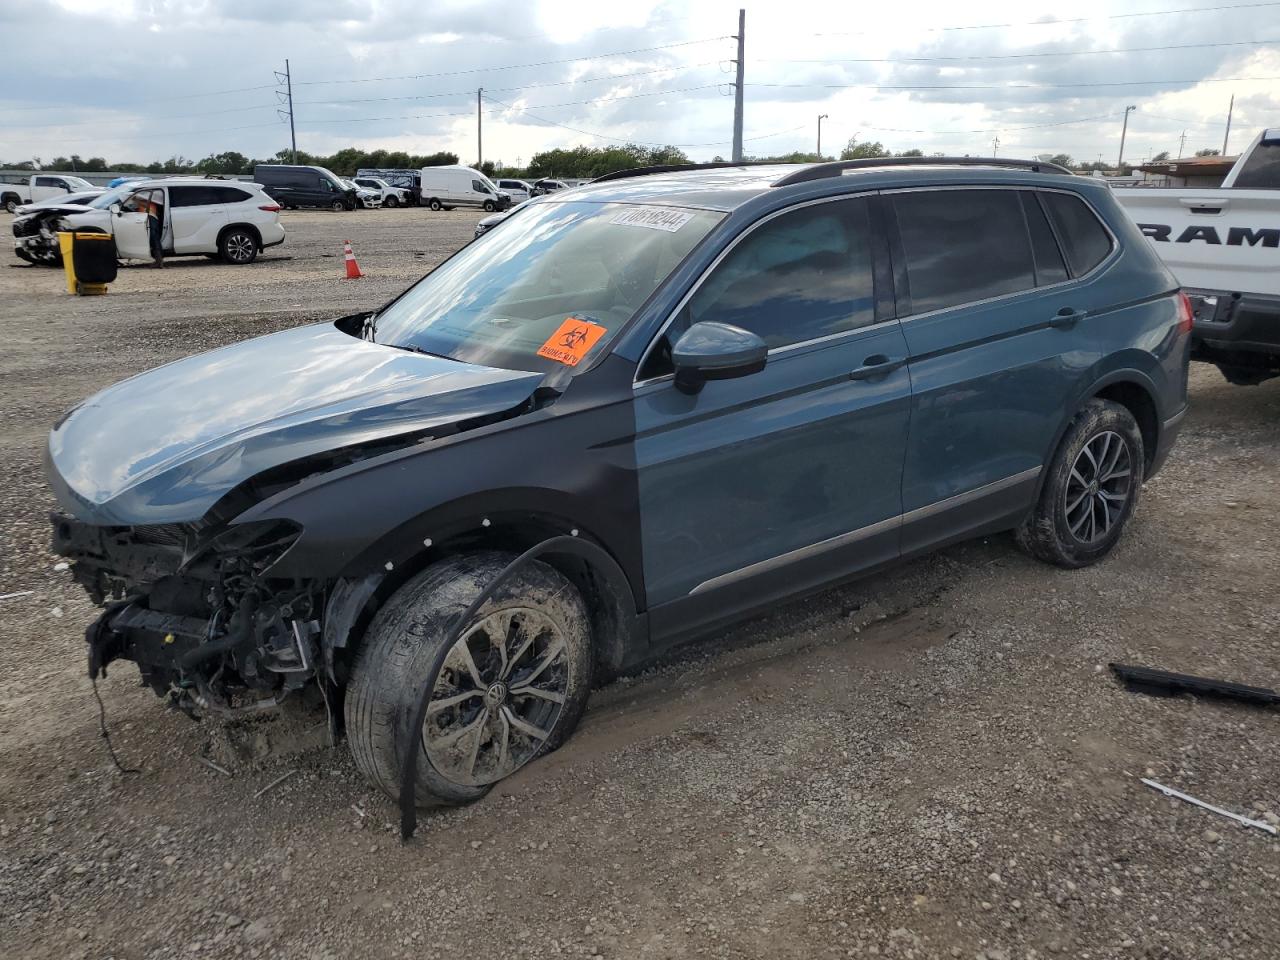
x: 716, y: 351
x: 115, y: 209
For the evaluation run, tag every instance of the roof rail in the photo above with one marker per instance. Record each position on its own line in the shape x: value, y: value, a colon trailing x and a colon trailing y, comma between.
x: 820, y: 171
x: 679, y: 167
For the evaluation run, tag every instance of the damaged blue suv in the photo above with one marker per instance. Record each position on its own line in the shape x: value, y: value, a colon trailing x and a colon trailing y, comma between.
x: 731, y: 384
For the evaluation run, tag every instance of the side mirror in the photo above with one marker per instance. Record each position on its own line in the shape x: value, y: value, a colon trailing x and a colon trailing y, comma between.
x: 716, y: 351
x: 115, y: 209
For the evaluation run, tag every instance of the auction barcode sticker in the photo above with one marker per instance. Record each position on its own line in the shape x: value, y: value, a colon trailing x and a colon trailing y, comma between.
x: 655, y: 218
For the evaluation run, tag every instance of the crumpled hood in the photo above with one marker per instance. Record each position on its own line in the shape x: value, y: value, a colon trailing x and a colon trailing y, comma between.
x: 164, y: 446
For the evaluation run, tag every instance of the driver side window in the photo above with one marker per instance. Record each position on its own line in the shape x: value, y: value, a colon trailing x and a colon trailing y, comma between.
x: 802, y: 275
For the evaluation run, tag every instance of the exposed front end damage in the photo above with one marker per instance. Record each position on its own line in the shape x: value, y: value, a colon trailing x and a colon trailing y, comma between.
x: 199, y: 612
x: 35, y: 237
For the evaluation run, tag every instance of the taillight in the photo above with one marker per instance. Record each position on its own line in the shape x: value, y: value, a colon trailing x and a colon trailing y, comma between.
x: 1186, y: 316
x: 270, y: 207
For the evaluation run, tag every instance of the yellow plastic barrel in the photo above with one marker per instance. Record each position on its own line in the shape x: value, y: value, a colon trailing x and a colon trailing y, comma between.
x: 66, y: 240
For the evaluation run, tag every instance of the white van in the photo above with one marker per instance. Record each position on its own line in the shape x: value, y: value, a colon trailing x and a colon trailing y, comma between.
x: 448, y: 187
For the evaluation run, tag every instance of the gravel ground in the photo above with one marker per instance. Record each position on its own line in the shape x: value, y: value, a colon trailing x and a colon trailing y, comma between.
x: 929, y: 763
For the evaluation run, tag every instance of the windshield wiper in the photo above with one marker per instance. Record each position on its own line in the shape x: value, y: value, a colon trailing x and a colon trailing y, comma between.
x: 414, y: 348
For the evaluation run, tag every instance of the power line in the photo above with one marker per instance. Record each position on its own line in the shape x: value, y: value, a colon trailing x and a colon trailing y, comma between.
x: 176, y: 116
x: 1022, y: 56
x: 1008, y: 86
x: 188, y: 96
x: 528, y: 86
x: 1059, y: 22
x: 516, y: 66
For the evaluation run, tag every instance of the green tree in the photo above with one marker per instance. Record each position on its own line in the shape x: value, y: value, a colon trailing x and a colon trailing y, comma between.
x: 915, y: 152
x: 857, y: 149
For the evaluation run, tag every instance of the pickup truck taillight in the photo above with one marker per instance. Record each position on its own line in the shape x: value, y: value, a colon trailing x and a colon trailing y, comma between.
x: 270, y: 207
x: 1185, y: 314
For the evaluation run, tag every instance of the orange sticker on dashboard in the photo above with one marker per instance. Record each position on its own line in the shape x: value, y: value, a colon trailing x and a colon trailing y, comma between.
x: 572, y: 341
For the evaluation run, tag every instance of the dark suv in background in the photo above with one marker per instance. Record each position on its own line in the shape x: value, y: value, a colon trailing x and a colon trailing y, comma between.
x: 725, y: 386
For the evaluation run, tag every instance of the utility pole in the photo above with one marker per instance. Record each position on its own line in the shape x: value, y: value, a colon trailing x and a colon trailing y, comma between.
x: 1227, y: 136
x: 995, y: 146
x: 821, y: 117
x: 1123, y: 132
x: 479, y: 131
x: 287, y: 79
x: 737, y: 88
x: 1182, y: 144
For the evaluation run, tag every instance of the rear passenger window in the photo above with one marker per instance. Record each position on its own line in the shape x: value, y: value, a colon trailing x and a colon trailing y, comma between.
x: 963, y: 245
x: 1085, y: 240
x: 802, y: 275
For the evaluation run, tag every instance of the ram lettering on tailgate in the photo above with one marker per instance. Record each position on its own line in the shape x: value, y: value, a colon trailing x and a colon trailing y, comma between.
x: 1236, y: 236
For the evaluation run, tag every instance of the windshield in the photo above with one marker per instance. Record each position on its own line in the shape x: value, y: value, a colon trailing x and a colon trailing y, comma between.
x: 548, y: 289
x: 114, y: 195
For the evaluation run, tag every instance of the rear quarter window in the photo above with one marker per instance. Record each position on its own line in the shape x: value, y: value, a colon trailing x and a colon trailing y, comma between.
x: 1084, y: 239
x: 1262, y: 170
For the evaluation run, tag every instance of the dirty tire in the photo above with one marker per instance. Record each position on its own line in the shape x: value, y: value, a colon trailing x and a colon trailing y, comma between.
x: 391, y: 202
x: 11, y: 205
x: 1047, y: 534
x: 404, y: 642
x: 489, y: 207
x: 338, y: 206
x: 434, y: 204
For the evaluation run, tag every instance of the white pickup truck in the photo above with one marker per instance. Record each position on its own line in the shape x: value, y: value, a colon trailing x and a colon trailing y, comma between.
x: 39, y: 187
x: 1223, y: 245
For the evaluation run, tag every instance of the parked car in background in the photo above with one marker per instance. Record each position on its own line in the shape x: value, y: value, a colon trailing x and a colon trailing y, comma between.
x: 365, y: 196
x: 1223, y: 244
x: 517, y: 190
x: 545, y: 186
x: 756, y: 382
x: 406, y: 180
x: 457, y: 186
x: 233, y: 220
x: 116, y: 181
x: 66, y: 199
x: 485, y: 224
x: 391, y: 196
x: 41, y: 186
x: 304, y: 186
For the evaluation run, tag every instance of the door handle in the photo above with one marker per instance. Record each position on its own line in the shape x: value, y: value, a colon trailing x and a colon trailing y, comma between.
x: 1067, y: 317
x: 877, y: 365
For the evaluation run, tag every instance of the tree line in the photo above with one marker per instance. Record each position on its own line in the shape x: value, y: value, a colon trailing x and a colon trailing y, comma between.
x: 573, y: 163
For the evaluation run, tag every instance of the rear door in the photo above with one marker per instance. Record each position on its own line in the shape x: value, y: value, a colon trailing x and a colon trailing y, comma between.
x: 758, y: 487
x: 196, y: 213
x: 997, y: 344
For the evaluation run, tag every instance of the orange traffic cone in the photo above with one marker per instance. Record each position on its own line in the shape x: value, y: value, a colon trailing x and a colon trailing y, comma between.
x: 353, y: 268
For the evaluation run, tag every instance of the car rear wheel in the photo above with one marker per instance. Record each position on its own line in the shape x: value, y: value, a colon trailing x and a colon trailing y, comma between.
x: 1091, y: 489
x: 510, y: 689
x: 238, y: 246
x: 434, y: 204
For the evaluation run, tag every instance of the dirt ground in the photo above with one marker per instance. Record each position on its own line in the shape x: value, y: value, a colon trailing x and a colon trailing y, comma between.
x: 930, y: 763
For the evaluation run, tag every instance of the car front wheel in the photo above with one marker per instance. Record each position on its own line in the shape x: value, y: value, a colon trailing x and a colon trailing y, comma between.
x: 1091, y: 489
x: 238, y: 246
x: 391, y: 202
x: 11, y: 205
x: 489, y: 206
x: 511, y: 688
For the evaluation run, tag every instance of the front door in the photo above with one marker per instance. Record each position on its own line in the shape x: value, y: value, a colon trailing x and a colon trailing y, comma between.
x: 133, y: 241
x: 763, y: 486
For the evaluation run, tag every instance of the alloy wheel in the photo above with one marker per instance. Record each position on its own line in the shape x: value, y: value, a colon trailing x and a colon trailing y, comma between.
x: 1098, y: 487
x: 240, y: 247
x: 497, y: 698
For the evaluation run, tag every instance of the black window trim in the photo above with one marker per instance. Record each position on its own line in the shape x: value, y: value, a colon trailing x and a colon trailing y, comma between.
x: 879, y: 256
x: 904, y: 292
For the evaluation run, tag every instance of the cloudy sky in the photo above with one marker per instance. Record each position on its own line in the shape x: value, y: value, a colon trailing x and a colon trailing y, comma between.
x: 148, y: 79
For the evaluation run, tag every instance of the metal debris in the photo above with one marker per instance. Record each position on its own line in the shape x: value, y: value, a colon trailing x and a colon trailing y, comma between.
x: 20, y: 593
x: 213, y: 766
x: 275, y: 783
x: 1170, y: 792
